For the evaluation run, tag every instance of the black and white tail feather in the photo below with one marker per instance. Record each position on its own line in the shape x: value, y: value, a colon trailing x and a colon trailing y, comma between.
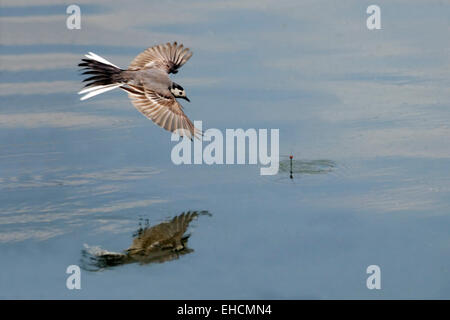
x: 105, y: 76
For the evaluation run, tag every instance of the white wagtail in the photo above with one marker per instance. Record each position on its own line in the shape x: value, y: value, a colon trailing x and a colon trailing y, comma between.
x: 148, y: 84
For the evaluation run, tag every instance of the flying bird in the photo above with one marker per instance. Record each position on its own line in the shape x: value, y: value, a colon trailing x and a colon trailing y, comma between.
x: 148, y: 84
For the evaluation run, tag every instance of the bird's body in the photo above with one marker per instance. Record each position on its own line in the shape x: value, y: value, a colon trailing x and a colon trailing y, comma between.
x: 158, y: 79
x: 148, y: 84
x: 153, y: 78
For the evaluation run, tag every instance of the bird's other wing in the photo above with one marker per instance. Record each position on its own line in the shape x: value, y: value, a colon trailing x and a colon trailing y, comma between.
x: 168, y: 57
x: 165, y: 111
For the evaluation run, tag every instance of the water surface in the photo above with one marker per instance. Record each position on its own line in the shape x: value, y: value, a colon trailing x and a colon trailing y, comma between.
x: 365, y: 114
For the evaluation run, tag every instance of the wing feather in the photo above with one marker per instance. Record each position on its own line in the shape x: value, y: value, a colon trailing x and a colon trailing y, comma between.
x: 166, y: 112
x: 168, y: 57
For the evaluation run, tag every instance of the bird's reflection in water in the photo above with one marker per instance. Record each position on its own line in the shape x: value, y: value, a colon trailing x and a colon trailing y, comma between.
x: 160, y: 243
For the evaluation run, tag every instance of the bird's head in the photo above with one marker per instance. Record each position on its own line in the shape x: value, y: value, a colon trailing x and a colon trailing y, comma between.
x: 178, y: 91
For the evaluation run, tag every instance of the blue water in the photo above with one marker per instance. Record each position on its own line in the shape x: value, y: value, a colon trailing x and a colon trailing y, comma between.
x: 365, y: 114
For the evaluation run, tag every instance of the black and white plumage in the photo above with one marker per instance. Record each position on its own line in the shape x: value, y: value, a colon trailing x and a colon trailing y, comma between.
x: 148, y: 84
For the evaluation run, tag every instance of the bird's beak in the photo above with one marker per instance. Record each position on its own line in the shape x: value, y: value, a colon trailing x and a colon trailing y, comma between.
x: 186, y: 98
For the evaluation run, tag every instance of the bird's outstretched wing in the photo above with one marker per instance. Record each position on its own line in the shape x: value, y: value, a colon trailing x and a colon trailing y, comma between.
x: 165, y: 111
x: 168, y: 57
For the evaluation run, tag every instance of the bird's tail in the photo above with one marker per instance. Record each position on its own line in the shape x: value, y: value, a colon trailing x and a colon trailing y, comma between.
x: 105, y: 76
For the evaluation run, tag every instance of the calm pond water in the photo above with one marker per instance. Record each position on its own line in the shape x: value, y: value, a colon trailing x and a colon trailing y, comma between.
x: 365, y: 113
